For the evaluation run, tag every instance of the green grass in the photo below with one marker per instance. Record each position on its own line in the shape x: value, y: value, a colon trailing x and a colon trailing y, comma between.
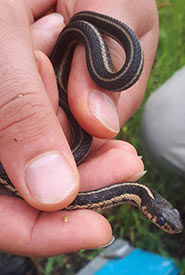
x: 127, y: 222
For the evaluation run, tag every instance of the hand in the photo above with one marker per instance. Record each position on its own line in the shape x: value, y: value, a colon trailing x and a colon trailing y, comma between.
x: 32, y: 140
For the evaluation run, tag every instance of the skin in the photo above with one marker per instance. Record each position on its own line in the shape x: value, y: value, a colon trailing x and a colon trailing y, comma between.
x: 35, y: 126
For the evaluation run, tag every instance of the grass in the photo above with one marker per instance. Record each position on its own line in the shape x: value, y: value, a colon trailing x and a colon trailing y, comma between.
x: 126, y: 221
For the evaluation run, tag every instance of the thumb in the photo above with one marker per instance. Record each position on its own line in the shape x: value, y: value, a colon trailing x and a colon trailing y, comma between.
x: 33, y: 148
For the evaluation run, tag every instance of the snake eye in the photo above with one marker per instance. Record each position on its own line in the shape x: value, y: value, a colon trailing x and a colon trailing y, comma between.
x: 160, y: 220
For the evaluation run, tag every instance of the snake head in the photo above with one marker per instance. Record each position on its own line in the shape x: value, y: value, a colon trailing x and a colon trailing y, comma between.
x: 163, y: 214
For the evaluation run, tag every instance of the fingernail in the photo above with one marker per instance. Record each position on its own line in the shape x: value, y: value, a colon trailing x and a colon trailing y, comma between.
x: 104, y: 109
x: 109, y: 243
x: 137, y: 176
x: 49, y: 178
x: 51, y: 21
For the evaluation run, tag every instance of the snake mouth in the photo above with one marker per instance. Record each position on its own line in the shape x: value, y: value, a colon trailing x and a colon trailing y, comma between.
x: 172, y: 229
x: 176, y: 231
x: 174, y: 221
x: 179, y: 229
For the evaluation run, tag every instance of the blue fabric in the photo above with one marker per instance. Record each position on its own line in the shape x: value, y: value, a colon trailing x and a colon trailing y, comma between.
x: 141, y: 263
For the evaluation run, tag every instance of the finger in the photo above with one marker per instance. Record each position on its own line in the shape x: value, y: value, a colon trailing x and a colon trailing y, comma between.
x: 45, y: 32
x: 94, y: 109
x: 46, y: 71
x: 49, y: 234
x: 34, y: 150
x: 115, y: 161
x: 103, y: 121
x: 47, y: 74
x: 40, y: 7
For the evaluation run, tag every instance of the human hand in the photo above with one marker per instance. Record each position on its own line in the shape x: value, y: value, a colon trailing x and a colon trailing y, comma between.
x: 30, y: 129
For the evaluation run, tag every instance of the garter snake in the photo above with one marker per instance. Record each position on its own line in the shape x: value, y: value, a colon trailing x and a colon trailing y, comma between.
x: 88, y: 28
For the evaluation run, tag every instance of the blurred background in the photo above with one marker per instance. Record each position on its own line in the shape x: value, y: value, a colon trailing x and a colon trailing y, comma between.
x: 127, y: 222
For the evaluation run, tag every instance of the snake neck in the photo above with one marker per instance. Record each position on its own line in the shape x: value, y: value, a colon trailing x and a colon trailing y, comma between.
x: 122, y: 193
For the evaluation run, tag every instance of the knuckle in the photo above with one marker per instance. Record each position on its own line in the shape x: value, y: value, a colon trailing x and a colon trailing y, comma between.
x: 23, y: 117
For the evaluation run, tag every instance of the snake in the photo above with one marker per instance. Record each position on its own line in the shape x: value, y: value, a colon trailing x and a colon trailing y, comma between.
x: 90, y: 29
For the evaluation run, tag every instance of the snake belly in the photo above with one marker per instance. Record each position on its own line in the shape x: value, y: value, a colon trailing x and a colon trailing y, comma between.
x: 88, y: 28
